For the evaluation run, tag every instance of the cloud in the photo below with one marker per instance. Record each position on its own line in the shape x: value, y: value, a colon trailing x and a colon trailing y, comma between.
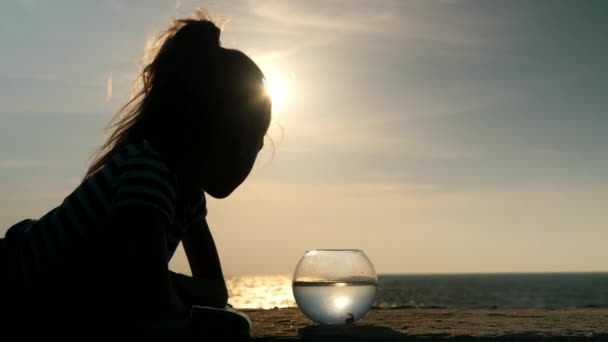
x: 109, y: 87
x: 424, y: 21
x: 371, y: 136
x: 344, y: 16
x: 409, y: 227
x: 29, y: 4
x: 18, y: 164
x: 299, y: 26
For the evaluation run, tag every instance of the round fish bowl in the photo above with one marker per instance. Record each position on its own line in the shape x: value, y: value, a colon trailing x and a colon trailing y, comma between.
x: 334, y: 286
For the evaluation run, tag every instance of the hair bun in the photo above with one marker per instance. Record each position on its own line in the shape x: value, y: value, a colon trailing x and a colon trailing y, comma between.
x: 203, y: 31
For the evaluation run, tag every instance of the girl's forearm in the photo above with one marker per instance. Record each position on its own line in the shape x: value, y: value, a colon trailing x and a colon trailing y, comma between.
x: 202, y: 253
x: 207, y: 285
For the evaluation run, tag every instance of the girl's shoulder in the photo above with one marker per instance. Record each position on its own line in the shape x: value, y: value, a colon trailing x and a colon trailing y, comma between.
x: 138, y: 151
x: 143, y: 178
x: 141, y: 157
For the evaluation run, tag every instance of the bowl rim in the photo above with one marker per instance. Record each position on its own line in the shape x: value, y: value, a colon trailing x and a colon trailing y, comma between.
x: 334, y: 250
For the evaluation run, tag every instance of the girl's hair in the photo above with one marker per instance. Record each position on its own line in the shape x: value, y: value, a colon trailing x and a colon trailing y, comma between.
x: 192, y: 87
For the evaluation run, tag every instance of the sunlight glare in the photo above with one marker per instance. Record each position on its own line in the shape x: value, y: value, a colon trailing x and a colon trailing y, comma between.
x: 277, y: 89
x: 277, y: 86
x: 341, y: 302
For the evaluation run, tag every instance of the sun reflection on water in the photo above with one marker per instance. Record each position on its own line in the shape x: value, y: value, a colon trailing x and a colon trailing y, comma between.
x: 260, y: 292
x: 341, y: 302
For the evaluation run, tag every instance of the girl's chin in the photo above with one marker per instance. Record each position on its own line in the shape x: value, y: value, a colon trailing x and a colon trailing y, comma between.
x: 219, y: 192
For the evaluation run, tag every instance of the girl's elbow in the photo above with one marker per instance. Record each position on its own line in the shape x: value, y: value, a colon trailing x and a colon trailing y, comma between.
x: 221, y: 296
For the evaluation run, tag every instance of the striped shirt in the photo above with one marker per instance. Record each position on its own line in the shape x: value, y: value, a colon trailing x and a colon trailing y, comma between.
x: 136, y: 176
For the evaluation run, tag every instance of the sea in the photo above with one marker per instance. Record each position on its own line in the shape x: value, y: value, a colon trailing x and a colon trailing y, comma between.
x: 501, y: 290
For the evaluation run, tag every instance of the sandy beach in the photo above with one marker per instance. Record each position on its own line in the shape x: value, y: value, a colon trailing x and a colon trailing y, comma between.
x: 589, y: 324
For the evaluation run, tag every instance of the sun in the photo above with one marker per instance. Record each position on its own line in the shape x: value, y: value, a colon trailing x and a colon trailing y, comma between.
x: 277, y: 84
x: 277, y: 89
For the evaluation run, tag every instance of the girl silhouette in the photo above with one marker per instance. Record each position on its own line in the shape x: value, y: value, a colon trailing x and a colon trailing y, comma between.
x: 195, y: 128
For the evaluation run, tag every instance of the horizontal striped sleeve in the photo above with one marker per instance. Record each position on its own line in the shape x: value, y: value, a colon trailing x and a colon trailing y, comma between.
x: 199, y: 211
x: 145, y: 181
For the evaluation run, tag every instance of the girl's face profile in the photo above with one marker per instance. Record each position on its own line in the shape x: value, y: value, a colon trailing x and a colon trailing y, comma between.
x: 231, y: 166
x: 223, y: 155
x: 236, y: 144
x: 225, y: 134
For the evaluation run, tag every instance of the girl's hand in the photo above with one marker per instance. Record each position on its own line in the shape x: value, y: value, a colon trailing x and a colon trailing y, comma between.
x: 201, y: 291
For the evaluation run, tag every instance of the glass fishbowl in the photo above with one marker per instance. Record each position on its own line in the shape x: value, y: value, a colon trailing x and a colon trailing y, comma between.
x: 334, y: 286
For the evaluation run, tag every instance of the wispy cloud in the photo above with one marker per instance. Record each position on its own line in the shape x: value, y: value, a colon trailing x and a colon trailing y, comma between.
x: 29, y: 4
x: 340, y: 16
x: 299, y: 26
x: 413, y: 21
x: 424, y: 229
x: 370, y: 136
x: 18, y: 164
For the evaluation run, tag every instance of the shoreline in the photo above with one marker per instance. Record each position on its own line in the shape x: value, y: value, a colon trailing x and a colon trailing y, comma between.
x: 417, y: 324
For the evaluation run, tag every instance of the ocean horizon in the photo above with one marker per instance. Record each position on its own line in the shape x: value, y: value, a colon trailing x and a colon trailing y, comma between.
x: 546, y: 290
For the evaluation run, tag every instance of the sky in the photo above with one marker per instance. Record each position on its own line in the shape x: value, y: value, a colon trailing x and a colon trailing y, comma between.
x: 438, y: 136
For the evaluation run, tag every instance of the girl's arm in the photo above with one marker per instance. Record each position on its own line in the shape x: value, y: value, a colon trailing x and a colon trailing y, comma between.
x: 206, y: 286
x: 143, y: 281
